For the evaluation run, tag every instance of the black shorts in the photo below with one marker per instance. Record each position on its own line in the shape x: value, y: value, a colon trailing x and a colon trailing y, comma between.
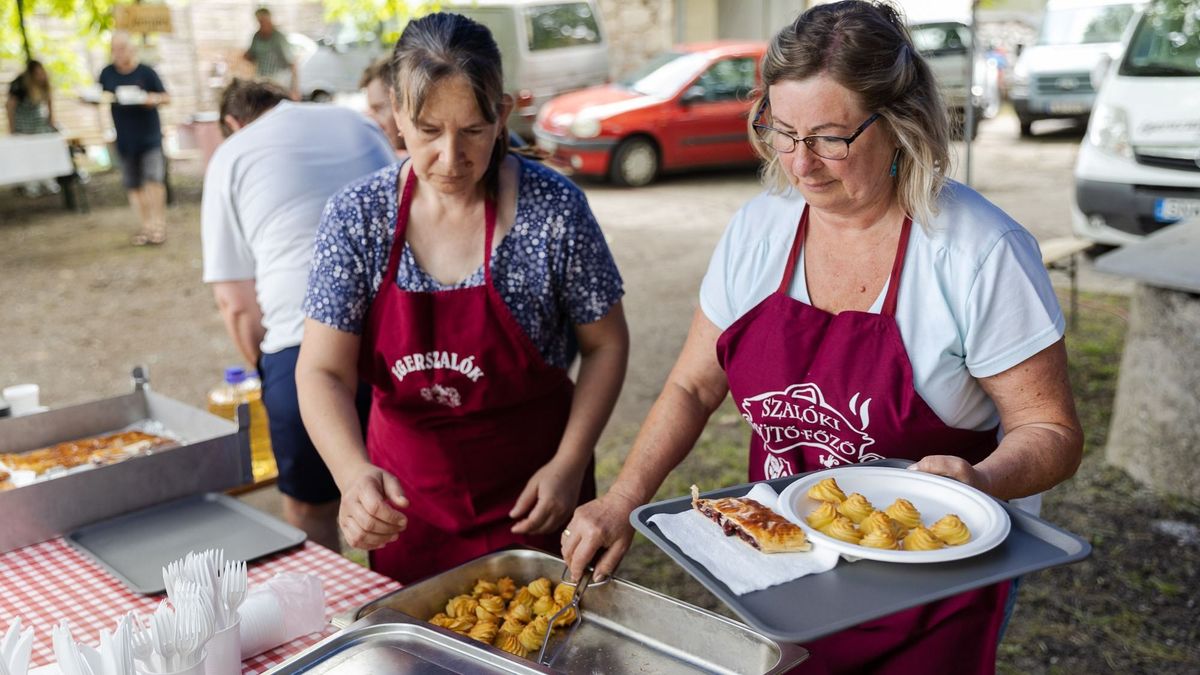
x: 148, y: 166
x: 303, y: 475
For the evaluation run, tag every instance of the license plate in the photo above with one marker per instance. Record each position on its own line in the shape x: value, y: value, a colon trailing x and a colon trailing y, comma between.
x: 1171, y: 210
x: 1066, y: 108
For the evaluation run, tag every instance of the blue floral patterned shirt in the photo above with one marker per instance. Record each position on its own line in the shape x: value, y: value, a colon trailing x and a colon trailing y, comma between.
x: 553, y: 269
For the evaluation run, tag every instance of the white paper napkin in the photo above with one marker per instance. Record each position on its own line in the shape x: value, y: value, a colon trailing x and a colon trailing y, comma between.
x: 730, y: 560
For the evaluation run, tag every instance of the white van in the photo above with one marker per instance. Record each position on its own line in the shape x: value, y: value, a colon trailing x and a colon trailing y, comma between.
x: 1052, y: 78
x: 548, y: 47
x: 1138, y: 169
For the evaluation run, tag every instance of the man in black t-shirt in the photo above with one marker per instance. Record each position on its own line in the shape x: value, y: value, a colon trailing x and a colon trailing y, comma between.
x: 137, y: 93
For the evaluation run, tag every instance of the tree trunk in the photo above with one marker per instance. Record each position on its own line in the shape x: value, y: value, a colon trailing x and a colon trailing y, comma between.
x: 21, y: 26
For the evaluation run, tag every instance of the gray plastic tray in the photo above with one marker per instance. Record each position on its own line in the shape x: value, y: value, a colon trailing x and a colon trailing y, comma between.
x: 134, y: 547
x: 849, y: 594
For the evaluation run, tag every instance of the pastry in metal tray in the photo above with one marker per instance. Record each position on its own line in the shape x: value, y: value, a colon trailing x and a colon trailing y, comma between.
x: 105, y: 449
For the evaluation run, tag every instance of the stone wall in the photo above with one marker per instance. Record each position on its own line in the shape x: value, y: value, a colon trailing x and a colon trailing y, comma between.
x: 194, y: 62
x: 637, y: 30
x: 204, y: 52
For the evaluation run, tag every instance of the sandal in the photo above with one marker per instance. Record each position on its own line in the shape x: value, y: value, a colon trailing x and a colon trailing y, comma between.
x: 154, y: 238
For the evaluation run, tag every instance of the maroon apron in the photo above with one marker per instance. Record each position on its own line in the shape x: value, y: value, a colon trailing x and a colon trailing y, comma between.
x: 465, y: 410
x: 822, y: 390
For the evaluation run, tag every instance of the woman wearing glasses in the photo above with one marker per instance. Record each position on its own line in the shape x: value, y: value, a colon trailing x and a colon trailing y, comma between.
x: 898, y: 314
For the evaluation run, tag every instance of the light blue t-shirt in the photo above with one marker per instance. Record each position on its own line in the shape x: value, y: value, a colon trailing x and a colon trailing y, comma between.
x: 264, y: 192
x: 975, y: 299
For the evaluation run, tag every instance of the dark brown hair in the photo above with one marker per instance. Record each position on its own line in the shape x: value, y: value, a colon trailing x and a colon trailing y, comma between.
x: 380, y: 69
x: 865, y: 47
x: 442, y: 45
x: 246, y: 100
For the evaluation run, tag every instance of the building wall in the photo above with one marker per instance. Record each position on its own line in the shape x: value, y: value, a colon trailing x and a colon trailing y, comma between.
x: 637, y: 30
x: 194, y: 62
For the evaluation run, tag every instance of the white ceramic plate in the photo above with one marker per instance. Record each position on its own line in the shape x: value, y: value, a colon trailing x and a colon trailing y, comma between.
x: 934, y: 496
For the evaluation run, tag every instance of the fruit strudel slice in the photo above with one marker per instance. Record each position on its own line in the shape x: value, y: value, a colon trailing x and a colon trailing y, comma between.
x: 752, y: 522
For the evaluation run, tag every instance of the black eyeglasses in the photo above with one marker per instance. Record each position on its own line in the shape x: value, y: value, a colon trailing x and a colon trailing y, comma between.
x: 825, y: 147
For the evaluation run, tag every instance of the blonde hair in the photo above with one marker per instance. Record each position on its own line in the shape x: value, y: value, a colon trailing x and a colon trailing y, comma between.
x: 865, y: 47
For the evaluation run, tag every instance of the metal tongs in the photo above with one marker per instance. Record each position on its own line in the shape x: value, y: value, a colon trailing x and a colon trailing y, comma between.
x: 580, y: 586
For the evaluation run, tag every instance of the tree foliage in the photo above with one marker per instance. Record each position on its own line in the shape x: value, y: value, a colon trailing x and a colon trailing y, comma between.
x: 89, y: 19
x: 385, y: 18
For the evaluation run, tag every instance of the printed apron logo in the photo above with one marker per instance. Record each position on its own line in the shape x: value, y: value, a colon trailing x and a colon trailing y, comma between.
x: 800, y: 417
x: 410, y: 363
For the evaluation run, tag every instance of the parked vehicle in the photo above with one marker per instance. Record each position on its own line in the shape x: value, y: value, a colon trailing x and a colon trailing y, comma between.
x: 685, y: 108
x: 1052, y: 78
x: 1138, y: 169
x: 946, y: 46
x: 333, y: 64
x: 548, y: 47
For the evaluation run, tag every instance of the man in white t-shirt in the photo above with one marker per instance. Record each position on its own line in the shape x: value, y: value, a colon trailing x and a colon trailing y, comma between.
x: 264, y: 192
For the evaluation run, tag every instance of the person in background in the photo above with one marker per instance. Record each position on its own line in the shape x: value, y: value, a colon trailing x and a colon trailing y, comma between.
x: 376, y: 83
x: 452, y: 283
x: 31, y: 111
x: 864, y: 280
x: 29, y: 106
x: 272, y: 56
x: 264, y: 192
x: 138, y: 92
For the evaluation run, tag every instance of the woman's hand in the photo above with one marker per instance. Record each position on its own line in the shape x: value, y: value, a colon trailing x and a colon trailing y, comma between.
x: 599, y: 524
x: 369, y: 515
x: 545, y: 503
x: 954, y: 467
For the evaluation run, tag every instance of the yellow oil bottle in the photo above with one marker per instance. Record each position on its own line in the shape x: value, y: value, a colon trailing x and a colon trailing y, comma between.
x: 239, y: 387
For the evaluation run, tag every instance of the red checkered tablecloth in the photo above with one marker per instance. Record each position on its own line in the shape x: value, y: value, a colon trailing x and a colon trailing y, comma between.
x: 47, y: 582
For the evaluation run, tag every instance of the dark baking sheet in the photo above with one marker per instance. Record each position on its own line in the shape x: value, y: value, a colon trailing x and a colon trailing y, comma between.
x: 851, y: 593
x: 134, y: 547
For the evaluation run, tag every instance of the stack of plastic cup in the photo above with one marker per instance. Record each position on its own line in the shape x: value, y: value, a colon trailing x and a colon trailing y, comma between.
x: 261, y: 624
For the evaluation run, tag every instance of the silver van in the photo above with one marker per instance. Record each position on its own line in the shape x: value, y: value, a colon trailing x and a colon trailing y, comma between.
x: 1052, y: 78
x: 548, y: 47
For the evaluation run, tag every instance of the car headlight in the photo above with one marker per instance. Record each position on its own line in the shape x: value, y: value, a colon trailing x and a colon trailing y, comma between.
x: 585, y: 127
x: 1018, y: 86
x: 1108, y: 130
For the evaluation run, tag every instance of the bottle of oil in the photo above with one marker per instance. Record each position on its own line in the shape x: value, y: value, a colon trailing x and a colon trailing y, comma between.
x: 238, y: 387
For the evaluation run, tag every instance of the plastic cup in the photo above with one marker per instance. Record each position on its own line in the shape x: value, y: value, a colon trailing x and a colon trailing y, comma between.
x: 224, y: 651
x: 197, y: 668
x: 23, y: 398
x: 261, y: 623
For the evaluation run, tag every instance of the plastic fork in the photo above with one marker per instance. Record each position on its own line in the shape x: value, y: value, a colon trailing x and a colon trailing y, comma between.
x: 140, y: 638
x: 162, y: 631
x: 233, y: 589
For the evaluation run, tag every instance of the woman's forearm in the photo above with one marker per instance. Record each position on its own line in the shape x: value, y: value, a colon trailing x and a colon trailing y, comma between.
x: 327, y: 407
x: 1032, y: 458
x: 601, y: 374
x: 665, y: 439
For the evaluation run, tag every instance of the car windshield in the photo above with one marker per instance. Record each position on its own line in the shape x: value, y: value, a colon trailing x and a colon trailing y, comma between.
x: 936, y: 39
x: 1166, y: 42
x: 1085, y: 25
x: 569, y: 24
x: 665, y: 74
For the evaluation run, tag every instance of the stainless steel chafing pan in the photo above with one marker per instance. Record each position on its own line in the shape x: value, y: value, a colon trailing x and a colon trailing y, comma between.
x: 625, y: 628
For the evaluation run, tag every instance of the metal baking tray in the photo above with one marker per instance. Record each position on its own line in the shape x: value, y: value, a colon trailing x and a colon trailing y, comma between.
x: 135, y: 547
x: 390, y: 642
x: 624, y: 628
x: 214, y: 455
x: 851, y: 593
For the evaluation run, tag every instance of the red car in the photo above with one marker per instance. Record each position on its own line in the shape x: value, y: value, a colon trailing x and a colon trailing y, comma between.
x: 685, y: 108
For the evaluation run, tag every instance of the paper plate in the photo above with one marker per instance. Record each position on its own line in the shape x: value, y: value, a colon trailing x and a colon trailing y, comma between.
x: 934, y: 496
